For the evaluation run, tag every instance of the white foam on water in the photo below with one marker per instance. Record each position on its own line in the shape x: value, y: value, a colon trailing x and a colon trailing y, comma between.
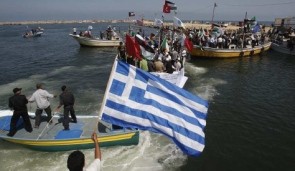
x: 28, y: 84
x: 205, y: 88
x: 154, y: 152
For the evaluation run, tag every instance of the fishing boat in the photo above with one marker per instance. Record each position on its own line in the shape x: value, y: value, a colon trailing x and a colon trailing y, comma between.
x: 249, y: 40
x: 283, y: 38
x: 96, y: 42
x: 53, y: 138
x: 283, y: 48
x: 232, y: 52
x: 110, y: 38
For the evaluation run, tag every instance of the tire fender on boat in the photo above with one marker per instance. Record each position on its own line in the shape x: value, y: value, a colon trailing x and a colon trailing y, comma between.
x: 252, y: 52
x: 241, y: 54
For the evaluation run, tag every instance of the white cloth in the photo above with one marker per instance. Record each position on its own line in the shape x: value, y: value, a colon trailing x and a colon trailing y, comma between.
x: 177, y: 65
x: 94, y: 166
x: 42, y: 98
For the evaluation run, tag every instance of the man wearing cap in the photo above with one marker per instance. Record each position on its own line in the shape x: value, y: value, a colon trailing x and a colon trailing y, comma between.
x: 67, y: 99
x: 18, y: 103
x: 41, y: 97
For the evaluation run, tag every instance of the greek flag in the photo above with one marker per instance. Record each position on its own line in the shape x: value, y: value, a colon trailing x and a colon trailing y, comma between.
x: 137, y: 99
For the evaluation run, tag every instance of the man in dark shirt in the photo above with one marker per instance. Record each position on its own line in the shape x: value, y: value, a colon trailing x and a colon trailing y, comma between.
x: 67, y: 100
x: 18, y: 103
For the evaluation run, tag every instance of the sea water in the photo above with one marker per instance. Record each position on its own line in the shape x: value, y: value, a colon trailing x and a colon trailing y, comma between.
x: 251, y: 117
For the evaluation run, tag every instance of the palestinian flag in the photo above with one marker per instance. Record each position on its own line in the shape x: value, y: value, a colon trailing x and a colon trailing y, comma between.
x: 140, y: 40
x: 171, y: 5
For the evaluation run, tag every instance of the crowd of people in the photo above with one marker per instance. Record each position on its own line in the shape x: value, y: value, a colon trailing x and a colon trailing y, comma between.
x: 163, y: 58
x: 108, y: 34
x: 220, y: 38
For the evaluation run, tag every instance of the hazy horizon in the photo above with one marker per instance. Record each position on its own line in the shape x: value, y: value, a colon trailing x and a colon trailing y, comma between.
x: 226, y: 10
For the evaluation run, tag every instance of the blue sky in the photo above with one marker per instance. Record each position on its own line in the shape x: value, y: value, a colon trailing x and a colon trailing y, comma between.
x: 233, y: 10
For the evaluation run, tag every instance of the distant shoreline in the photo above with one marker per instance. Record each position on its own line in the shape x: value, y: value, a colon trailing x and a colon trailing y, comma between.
x: 148, y: 23
x: 61, y: 22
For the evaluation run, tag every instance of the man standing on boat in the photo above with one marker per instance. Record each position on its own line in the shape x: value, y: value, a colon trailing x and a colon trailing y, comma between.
x: 76, y: 160
x: 41, y: 97
x: 67, y: 99
x: 18, y: 103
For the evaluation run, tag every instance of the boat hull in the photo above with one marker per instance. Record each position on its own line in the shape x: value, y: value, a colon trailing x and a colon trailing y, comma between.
x: 76, y: 144
x: 47, y: 137
x: 282, y: 49
x: 208, y: 52
x: 94, y: 42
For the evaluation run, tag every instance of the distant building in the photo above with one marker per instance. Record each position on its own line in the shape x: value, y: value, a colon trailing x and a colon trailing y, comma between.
x: 285, y: 22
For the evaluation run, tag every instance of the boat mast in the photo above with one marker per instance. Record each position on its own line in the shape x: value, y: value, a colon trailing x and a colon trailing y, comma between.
x: 244, y: 29
x: 215, y: 5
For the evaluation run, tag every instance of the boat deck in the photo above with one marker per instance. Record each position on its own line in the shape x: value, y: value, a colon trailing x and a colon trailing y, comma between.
x: 47, y: 131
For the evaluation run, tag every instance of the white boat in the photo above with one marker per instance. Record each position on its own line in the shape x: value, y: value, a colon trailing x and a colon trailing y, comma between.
x: 108, y: 38
x: 30, y: 34
x: 96, y: 42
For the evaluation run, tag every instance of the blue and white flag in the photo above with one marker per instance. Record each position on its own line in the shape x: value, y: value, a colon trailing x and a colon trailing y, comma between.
x: 158, y: 22
x: 137, y: 99
x: 177, y: 22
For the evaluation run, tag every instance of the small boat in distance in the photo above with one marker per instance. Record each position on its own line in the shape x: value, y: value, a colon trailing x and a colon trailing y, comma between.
x: 37, y: 32
x: 109, y: 38
x: 53, y: 138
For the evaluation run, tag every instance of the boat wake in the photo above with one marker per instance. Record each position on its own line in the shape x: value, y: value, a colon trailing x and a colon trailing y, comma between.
x: 154, y: 152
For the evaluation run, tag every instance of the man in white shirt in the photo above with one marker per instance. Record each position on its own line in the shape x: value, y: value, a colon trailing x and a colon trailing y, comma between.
x: 76, y: 160
x: 41, y: 97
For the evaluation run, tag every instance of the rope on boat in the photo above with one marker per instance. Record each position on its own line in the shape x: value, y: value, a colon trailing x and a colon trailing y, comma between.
x: 45, y: 127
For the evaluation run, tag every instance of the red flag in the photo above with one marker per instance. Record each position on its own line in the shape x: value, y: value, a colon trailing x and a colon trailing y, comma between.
x: 166, y: 8
x: 132, y: 48
x: 188, y: 44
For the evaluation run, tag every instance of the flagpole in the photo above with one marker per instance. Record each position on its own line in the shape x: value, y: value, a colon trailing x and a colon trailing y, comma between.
x: 244, y: 30
x: 106, y: 93
x: 213, y: 15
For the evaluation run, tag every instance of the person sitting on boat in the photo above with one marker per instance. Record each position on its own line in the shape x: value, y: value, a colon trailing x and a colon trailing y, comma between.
x: 158, y: 64
x: 74, y: 31
x: 18, y: 103
x: 87, y: 33
x: 109, y: 33
x: 143, y: 64
x: 76, y: 160
x: 67, y: 99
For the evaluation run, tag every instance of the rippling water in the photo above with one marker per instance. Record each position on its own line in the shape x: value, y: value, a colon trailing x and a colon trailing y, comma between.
x: 250, y: 124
